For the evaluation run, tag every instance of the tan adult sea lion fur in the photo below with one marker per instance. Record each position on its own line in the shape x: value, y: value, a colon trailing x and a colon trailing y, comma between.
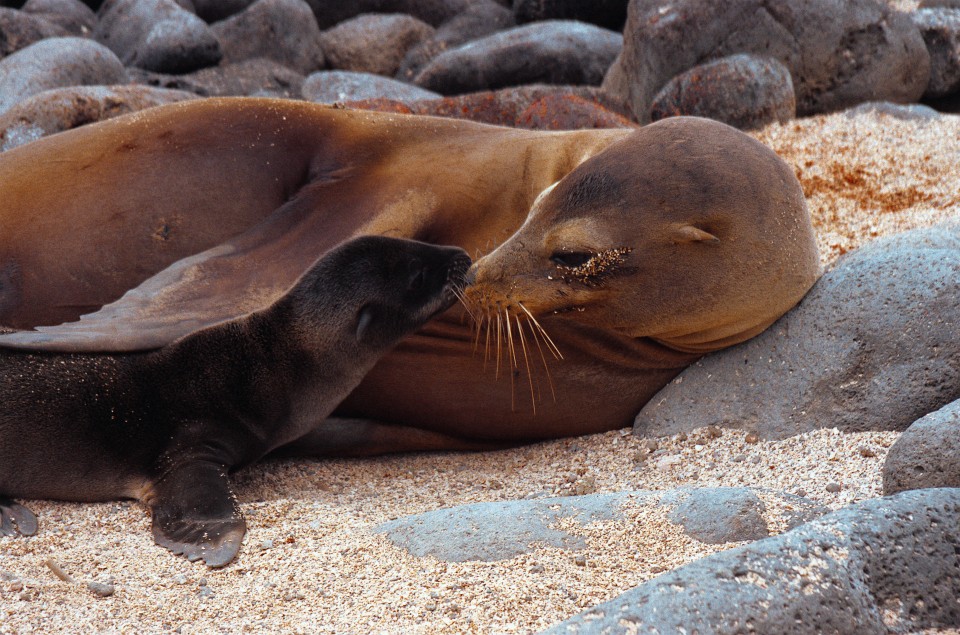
x: 704, y: 232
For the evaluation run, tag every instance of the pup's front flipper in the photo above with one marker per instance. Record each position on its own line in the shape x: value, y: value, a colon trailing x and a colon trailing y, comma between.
x: 196, y: 514
x: 16, y: 519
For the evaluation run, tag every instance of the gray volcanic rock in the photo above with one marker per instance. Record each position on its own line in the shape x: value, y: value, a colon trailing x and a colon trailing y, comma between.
x: 250, y: 78
x: 433, y: 12
x: 839, y: 52
x: 609, y: 14
x: 940, y: 29
x: 873, y: 346
x: 552, y: 52
x: 496, y: 531
x: 567, y: 111
x: 55, y: 63
x: 373, y: 43
x: 481, y: 19
x: 282, y: 30
x: 156, y: 35
x: 72, y: 15
x: 888, y: 565
x: 66, y: 108
x: 904, y: 112
x: 927, y: 454
x: 744, y: 91
x: 216, y: 10
x: 335, y: 86
x: 717, y: 515
x: 19, y: 29
x: 515, y: 106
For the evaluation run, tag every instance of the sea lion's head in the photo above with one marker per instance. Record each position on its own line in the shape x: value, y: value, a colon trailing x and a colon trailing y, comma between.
x: 687, y: 231
x: 369, y: 292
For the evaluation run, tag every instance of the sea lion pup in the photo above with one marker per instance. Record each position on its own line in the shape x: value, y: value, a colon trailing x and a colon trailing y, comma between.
x: 166, y: 427
x: 218, y: 205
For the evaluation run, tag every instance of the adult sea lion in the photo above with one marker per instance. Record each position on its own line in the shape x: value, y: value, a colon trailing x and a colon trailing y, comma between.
x: 166, y: 426
x: 704, y: 234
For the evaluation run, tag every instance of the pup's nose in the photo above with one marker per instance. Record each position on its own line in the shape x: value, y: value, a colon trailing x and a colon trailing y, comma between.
x: 471, y: 276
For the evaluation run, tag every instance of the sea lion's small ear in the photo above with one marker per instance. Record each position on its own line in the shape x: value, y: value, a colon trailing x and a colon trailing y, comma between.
x: 687, y: 233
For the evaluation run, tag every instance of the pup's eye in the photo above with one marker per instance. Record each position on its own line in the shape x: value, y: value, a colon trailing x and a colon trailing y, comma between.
x: 571, y: 259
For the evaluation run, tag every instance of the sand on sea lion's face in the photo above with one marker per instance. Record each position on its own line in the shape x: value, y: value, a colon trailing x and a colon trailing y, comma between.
x: 311, y: 562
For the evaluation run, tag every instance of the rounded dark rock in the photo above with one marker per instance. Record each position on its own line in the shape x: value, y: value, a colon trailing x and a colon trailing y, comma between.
x: 839, y: 358
x: 927, y: 454
x: 256, y: 77
x: 553, y: 52
x: 433, y: 12
x: 609, y: 14
x: 940, y: 29
x: 55, y: 63
x: 216, y: 10
x: 339, y: 86
x: 839, y: 52
x: 512, y: 106
x: 373, y: 43
x: 282, y: 30
x: 884, y: 561
x: 156, y: 35
x: 567, y: 111
x: 744, y: 91
x: 479, y: 20
x: 722, y: 514
x: 66, y: 108
x: 500, y: 530
x: 19, y: 29
x: 72, y: 15
x: 904, y: 112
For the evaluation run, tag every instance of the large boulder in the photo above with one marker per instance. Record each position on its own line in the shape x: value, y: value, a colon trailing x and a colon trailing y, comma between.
x: 66, y: 108
x: 518, y: 105
x: 282, y: 30
x: 839, y: 52
x: 499, y: 530
x: 19, y: 29
x: 373, y: 43
x: 940, y: 29
x: 552, y: 52
x: 744, y: 91
x: 73, y: 16
x: 927, y: 454
x: 433, y: 12
x: 216, y: 10
x: 481, y: 19
x: 337, y: 86
x: 888, y: 565
x: 873, y: 346
x: 256, y: 77
x: 609, y: 14
x: 55, y: 63
x: 156, y: 35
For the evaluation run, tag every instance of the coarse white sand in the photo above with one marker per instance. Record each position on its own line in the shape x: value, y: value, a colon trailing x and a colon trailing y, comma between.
x: 312, y: 564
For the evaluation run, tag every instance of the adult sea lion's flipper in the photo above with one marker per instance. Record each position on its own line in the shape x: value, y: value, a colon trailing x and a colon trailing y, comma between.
x: 195, y: 514
x: 16, y: 519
